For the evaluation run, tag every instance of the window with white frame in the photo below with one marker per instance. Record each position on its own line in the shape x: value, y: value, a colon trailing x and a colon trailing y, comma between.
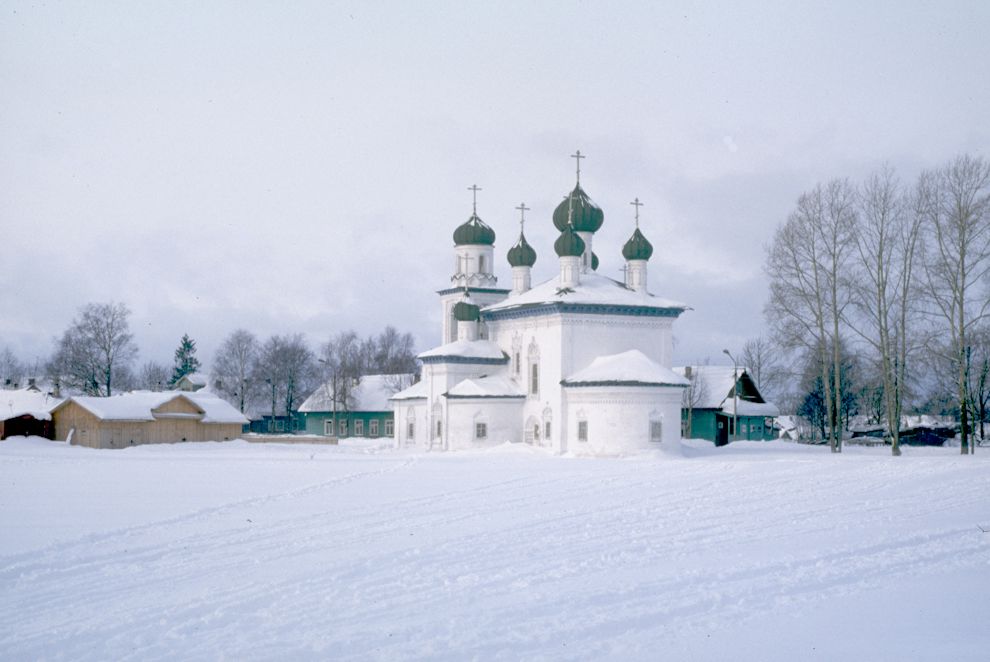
x: 359, y: 428
x: 328, y: 427
x: 480, y: 430
x: 342, y: 427
x: 582, y: 430
x: 546, y: 430
x: 373, y: 427
x: 411, y: 430
x: 534, y: 379
x: 389, y: 428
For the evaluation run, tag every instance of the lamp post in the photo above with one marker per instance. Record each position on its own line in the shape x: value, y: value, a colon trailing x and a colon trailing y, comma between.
x: 271, y: 424
x: 735, y: 394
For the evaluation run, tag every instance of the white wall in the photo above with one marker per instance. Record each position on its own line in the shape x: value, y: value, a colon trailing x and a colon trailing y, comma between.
x: 501, y: 417
x: 619, y: 418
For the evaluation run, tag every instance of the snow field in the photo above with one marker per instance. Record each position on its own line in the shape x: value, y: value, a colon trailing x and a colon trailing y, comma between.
x: 242, y: 551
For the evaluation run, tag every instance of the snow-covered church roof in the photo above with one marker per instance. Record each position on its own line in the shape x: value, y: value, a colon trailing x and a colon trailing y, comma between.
x: 593, y: 292
x: 465, y: 351
x: 372, y: 393
x: 486, y: 386
x: 630, y: 368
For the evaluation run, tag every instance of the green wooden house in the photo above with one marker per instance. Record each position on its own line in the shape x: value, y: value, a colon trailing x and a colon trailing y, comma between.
x: 365, y: 412
x: 722, y: 399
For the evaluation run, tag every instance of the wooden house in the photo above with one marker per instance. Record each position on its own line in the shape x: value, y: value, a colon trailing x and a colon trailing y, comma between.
x: 367, y: 412
x: 726, y: 397
x: 145, y: 417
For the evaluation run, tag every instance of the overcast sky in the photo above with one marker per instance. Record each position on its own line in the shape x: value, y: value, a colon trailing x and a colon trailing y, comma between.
x: 300, y: 167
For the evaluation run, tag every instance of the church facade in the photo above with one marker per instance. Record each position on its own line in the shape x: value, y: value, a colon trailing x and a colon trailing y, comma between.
x: 580, y: 363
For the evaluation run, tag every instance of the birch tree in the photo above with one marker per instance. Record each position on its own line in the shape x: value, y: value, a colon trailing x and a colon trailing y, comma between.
x: 233, y: 369
x: 806, y: 264
x: 886, y: 244
x: 954, y: 206
x: 96, y: 350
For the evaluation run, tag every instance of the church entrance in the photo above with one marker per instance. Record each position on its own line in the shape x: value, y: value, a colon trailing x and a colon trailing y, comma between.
x: 531, y: 433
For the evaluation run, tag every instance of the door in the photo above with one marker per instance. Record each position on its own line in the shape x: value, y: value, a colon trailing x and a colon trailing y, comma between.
x: 721, y: 430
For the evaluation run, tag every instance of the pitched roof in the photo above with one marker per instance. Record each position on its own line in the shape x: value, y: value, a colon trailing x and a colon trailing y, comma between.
x: 631, y: 368
x: 372, y: 393
x: 717, y: 393
x: 28, y: 401
x: 138, y: 406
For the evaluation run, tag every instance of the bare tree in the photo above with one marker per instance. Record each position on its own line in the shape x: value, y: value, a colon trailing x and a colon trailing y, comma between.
x: 393, y: 353
x: 954, y: 204
x: 342, y: 362
x: 95, y: 350
x: 234, y: 377
x: 806, y: 264
x: 153, y: 376
x: 886, y: 244
x: 289, y: 368
x: 12, y: 371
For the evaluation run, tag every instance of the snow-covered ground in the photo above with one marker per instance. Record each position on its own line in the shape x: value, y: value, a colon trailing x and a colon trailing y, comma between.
x: 248, y: 551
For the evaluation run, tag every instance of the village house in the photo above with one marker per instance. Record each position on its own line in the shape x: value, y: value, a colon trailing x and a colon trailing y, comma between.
x: 719, y: 399
x: 365, y: 411
x: 25, y: 412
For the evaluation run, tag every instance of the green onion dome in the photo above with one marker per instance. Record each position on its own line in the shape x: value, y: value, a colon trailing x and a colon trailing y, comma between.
x: 474, y: 231
x: 594, y: 261
x: 522, y: 254
x: 637, y: 248
x: 466, y: 312
x: 587, y: 216
x: 569, y: 243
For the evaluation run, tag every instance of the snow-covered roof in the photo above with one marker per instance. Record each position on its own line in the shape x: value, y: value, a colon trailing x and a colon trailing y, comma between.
x: 138, y: 406
x: 750, y: 408
x: 466, y: 351
x: 594, y: 289
x: 199, y: 379
x: 717, y: 391
x: 414, y: 392
x: 28, y: 401
x: 627, y: 368
x: 488, y: 386
x: 372, y: 393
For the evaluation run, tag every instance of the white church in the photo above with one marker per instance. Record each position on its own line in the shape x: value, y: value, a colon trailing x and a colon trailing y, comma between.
x: 580, y: 363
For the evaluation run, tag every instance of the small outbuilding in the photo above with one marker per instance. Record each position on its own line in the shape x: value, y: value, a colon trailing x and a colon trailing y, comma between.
x: 26, y: 413
x: 146, y: 417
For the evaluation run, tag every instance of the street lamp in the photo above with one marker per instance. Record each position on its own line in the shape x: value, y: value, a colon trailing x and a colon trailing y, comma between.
x: 735, y: 394
x: 271, y: 424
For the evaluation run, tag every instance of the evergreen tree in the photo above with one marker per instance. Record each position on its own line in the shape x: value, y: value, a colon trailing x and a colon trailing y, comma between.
x: 185, y: 359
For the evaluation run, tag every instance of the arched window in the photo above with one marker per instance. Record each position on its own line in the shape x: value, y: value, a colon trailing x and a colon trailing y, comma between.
x: 534, y: 369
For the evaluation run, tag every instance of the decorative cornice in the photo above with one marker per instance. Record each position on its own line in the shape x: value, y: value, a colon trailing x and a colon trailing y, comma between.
x: 480, y: 290
x: 568, y: 384
x: 484, y: 397
x: 551, y: 307
x: 464, y: 359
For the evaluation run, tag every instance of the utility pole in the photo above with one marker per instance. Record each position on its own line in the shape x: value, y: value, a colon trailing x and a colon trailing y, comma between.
x: 735, y: 394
